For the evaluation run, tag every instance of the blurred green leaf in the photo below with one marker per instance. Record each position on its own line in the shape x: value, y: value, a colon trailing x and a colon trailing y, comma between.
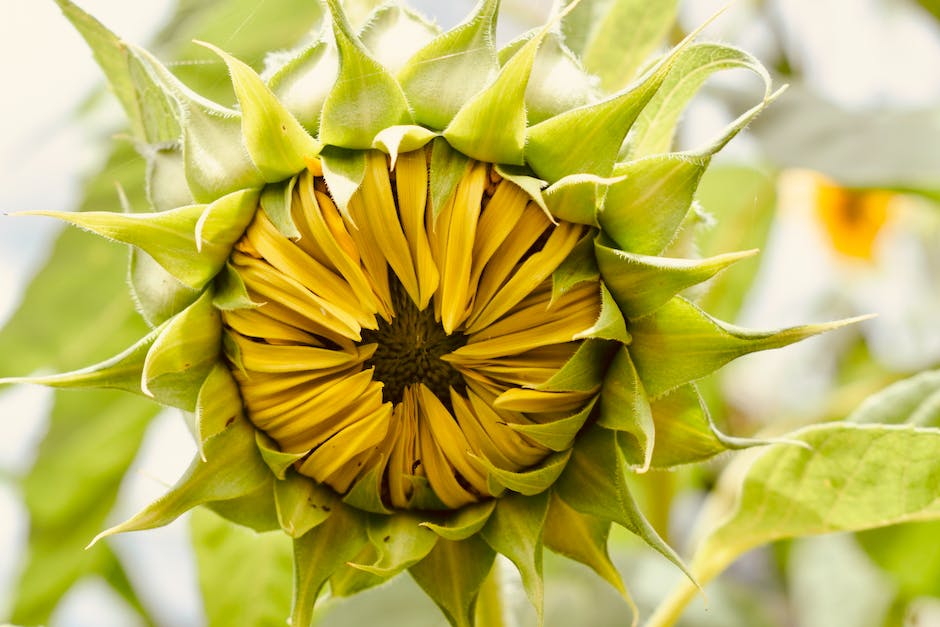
x: 93, y: 437
x: 915, y: 401
x: 867, y: 149
x: 742, y: 201
x: 245, y: 577
x: 848, y: 478
x: 909, y: 553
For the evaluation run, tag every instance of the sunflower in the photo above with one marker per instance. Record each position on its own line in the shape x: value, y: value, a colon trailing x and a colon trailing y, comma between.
x: 418, y: 296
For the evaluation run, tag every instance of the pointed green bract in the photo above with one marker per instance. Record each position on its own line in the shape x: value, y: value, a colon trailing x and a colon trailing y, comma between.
x: 584, y: 371
x: 303, y: 83
x: 558, y: 82
x: 215, y: 158
x: 452, y: 574
x: 448, y: 166
x: 170, y: 236
x: 277, y: 461
x: 343, y: 171
x: 233, y: 468
x: 515, y: 530
x: 121, y: 372
x: 398, y: 139
x: 578, y: 267
x: 365, y: 99
x: 597, y: 454
x: 576, y: 197
x: 558, y: 435
x: 111, y: 55
x: 491, y: 126
x: 157, y: 294
x: 679, y: 343
x: 230, y: 292
x: 625, y: 408
x: 318, y: 553
x: 276, y: 141
x: 463, y: 523
x: 656, y: 126
x: 218, y: 404
x: 642, y: 283
x: 166, y: 176
x: 588, y: 139
x: 642, y: 212
x: 610, y: 324
x: 302, y: 504
x: 183, y: 355
x: 441, y: 77
x: 399, y: 542
x: 276, y: 204
x: 583, y: 538
x: 394, y: 33
x: 532, y: 481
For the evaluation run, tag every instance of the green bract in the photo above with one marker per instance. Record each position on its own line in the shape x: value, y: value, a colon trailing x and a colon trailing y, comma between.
x: 333, y: 121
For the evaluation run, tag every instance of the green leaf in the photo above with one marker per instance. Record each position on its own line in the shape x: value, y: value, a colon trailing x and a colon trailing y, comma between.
x: 255, y: 510
x: 625, y: 408
x: 302, y: 503
x: 319, y: 553
x: 849, y: 477
x: 515, y: 530
x: 909, y: 554
x: 166, y: 176
x: 398, y: 139
x: 233, y: 468
x: 583, y: 538
x: 276, y: 204
x: 91, y: 441
x: 450, y: 70
x: 595, y: 483
x: 451, y: 575
x: 914, y: 401
x: 679, y: 343
x: 255, y: 569
x: 276, y: 141
x: 617, y: 37
x: 277, y: 461
x: 365, y: 99
x: 642, y: 283
x: 579, y: 266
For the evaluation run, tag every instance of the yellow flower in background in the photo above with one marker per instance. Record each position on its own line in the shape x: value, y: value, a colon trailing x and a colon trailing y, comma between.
x: 417, y: 295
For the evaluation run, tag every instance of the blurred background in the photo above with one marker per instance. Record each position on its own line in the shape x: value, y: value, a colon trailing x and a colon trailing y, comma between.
x: 838, y: 184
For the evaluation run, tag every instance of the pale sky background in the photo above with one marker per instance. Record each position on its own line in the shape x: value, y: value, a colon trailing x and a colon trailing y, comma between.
x: 860, y: 53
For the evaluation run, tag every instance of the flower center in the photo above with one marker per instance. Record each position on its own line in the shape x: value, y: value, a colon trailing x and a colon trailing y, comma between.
x: 409, y: 349
x: 398, y: 348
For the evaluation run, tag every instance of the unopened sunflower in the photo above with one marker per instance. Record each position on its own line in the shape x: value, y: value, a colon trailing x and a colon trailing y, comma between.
x: 418, y: 296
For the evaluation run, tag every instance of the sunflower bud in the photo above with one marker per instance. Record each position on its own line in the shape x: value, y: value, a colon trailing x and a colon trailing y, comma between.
x: 423, y: 298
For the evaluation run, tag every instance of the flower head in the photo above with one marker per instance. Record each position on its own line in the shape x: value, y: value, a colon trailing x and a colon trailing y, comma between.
x: 419, y: 291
